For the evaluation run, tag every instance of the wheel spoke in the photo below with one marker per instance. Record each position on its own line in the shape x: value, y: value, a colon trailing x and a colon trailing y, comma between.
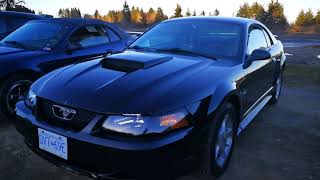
x: 223, y: 126
x: 278, y: 86
x: 217, y: 150
x: 229, y: 142
x: 14, y: 96
x: 21, y: 97
x: 229, y: 133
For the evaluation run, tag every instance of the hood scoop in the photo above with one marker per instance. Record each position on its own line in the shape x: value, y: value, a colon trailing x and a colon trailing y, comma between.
x: 132, y: 61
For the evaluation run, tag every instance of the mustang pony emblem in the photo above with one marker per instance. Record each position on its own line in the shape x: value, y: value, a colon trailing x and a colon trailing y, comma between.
x: 63, y: 113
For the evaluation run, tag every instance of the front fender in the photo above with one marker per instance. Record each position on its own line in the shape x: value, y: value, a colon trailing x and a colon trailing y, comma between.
x: 221, y: 92
x: 278, y: 49
x: 8, y: 69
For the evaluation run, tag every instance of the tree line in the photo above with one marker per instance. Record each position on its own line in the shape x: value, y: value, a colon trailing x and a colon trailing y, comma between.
x: 134, y: 15
x: 15, y: 5
x: 272, y: 15
x: 308, y: 18
x: 70, y: 13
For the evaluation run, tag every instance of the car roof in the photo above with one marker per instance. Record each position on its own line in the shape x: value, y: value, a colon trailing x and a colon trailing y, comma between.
x: 73, y: 21
x: 21, y: 14
x: 76, y: 22
x: 236, y: 20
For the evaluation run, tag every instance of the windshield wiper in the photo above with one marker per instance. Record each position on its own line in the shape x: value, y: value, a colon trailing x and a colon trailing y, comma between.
x: 179, y: 50
x: 16, y: 43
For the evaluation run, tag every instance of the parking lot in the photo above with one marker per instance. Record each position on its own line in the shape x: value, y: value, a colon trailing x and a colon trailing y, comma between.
x: 281, y: 143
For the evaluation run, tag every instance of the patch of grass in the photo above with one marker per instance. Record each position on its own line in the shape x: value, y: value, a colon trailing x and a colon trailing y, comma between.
x: 300, y: 74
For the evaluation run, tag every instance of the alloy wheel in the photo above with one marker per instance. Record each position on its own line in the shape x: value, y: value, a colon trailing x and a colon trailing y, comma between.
x: 224, y: 141
x: 278, y: 86
x: 17, y: 92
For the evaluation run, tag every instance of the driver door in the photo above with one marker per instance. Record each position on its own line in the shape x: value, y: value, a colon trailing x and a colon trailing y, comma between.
x: 260, y: 74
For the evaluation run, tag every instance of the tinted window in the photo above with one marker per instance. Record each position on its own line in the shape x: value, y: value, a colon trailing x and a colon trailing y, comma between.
x: 256, y: 41
x: 214, y: 39
x: 3, y: 26
x: 36, y: 35
x: 113, y: 36
x: 14, y: 22
x: 89, y: 36
x: 267, y: 38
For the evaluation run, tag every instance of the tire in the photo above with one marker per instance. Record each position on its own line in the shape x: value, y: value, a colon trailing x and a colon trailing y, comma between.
x: 212, y: 165
x: 277, y: 90
x: 12, y: 85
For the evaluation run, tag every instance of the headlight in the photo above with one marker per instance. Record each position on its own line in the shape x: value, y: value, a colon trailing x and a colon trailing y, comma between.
x: 31, y: 99
x: 142, y: 125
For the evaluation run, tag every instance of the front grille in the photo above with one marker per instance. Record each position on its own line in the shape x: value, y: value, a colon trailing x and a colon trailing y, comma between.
x: 77, y: 123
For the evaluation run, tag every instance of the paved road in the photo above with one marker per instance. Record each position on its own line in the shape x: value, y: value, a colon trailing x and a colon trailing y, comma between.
x: 283, y: 142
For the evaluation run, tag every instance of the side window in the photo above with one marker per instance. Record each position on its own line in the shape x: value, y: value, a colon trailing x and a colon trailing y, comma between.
x: 113, y: 36
x: 267, y: 38
x: 256, y: 40
x: 14, y: 22
x: 89, y: 36
x: 3, y: 25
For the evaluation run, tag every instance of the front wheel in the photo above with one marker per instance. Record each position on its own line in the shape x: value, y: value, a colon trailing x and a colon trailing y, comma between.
x: 12, y: 91
x: 220, y: 141
x: 277, y: 89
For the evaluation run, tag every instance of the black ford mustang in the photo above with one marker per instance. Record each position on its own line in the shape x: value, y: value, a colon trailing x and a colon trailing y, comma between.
x: 177, y: 97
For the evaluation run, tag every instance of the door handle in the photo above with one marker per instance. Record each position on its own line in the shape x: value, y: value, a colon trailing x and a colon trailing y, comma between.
x: 276, y: 59
x: 243, y: 92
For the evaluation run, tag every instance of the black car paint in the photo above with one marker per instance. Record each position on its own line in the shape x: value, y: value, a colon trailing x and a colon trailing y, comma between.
x: 16, y: 18
x: 197, y: 84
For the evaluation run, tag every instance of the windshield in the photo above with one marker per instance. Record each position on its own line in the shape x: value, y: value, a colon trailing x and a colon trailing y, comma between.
x: 35, y: 36
x: 209, y: 39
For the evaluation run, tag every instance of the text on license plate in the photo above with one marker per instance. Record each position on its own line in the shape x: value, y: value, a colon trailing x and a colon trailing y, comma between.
x: 53, y: 143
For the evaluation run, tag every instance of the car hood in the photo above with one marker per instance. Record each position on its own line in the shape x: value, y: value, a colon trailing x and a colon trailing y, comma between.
x: 132, y: 82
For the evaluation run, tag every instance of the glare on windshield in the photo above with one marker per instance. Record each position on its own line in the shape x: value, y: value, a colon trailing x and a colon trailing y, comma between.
x: 36, y: 35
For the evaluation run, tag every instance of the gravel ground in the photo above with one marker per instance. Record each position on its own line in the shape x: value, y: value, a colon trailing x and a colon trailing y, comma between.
x: 309, y: 55
x: 283, y: 142
x: 301, y: 48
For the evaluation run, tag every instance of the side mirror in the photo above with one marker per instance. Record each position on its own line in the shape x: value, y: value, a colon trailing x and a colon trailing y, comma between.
x: 260, y: 54
x: 257, y: 55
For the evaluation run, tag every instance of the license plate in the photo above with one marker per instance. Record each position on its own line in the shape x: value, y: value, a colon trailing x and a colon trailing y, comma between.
x: 53, y: 143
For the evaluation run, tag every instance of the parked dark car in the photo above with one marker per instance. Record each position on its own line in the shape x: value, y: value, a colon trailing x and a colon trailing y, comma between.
x: 10, y: 21
x: 177, y: 97
x: 41, y: 46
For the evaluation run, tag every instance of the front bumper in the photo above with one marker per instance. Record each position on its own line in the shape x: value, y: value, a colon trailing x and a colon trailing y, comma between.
x: 125, y: 158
